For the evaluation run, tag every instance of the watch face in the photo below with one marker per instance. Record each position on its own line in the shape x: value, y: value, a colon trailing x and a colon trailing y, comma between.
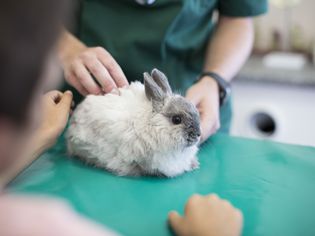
x: 145, y: 2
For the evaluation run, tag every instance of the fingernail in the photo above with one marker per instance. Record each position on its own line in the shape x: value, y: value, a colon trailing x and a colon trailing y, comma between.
x: 68, y: 92
x: 115, y: 91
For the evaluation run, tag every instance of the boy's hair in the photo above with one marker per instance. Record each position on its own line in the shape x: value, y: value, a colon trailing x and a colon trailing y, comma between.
x: 28, y: 31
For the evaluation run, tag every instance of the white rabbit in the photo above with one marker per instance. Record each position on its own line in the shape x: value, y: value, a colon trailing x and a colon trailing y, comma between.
x: 146, y: 130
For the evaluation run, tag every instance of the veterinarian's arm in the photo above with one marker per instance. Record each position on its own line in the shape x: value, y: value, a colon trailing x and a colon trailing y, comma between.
x: 56, y: 107
x: 207, y: 215
x: 80, y: 63
x: 227, y: 51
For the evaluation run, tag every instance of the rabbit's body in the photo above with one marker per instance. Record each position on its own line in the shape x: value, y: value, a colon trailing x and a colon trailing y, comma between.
x: 123, y: 134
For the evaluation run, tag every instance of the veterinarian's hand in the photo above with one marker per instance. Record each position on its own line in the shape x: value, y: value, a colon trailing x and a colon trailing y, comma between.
x: 205, y: 95
x: 207, y: 216
x: 81, y: 64
x: 37, y: 216
x: 56, y: 107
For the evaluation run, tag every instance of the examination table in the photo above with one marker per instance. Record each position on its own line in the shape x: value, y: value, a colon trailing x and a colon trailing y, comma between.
x: 273, y: 184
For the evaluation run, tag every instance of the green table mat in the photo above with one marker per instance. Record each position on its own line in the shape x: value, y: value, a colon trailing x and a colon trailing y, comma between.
x: 273, y: 184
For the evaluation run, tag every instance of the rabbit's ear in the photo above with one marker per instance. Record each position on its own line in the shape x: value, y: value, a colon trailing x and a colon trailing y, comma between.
x: 161, y: 80
x: 152, y: 90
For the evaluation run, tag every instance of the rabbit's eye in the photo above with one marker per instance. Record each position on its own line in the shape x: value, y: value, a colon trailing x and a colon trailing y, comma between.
x: 176, y: 120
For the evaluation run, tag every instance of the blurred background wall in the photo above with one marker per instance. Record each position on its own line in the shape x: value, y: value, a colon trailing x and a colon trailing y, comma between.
x: 274, y: 94
x: 301, y: 22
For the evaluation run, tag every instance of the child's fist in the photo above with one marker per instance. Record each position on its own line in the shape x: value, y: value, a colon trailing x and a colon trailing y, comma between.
x: 207, y: 216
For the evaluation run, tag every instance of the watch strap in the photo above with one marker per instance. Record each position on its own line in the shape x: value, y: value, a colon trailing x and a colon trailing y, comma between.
x: 224, y: 86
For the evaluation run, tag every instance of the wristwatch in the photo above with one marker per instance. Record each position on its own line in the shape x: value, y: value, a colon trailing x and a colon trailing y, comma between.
x: 145, y: 2
x: 224, y: 86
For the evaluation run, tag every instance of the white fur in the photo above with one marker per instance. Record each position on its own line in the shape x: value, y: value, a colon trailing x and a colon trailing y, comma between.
x: 122, y: 134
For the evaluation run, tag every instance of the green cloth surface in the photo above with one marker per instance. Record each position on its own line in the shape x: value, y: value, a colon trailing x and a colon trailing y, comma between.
x: 273, y: 184
x: 171, y: 35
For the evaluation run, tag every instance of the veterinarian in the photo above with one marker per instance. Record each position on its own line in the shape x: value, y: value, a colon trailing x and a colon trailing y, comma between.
x: 24, y: 135
x: 187, y: 40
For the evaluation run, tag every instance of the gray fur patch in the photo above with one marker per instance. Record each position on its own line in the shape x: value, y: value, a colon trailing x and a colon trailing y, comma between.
x: 162, y: 81
x: 152, y: 91
x: 189, y: 114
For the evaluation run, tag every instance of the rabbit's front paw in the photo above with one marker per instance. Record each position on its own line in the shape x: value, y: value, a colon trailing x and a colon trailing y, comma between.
x: 194, y: 163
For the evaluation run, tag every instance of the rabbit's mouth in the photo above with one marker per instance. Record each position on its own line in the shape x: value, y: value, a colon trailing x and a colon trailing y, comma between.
x: 192, y: 140
x: 193, y: 136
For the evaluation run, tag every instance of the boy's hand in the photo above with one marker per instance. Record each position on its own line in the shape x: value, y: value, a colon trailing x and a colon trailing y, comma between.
x: 56, y: 110
x: 207, y: 216
x: 56, y: 107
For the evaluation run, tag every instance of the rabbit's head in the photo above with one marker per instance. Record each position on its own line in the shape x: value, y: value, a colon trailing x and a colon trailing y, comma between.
x: 176, y: 119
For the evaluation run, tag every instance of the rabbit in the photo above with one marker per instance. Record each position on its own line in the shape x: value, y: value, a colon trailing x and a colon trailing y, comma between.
x: 145, y: 130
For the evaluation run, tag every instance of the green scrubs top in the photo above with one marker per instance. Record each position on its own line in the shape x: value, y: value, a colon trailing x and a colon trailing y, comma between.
x: 170, y: 35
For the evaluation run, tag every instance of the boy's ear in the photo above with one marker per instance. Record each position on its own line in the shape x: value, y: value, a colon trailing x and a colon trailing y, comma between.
x: 8, y: 142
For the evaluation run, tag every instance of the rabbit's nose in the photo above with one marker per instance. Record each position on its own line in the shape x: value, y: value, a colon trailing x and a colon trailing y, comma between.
x: 194, y: 131
x: 197, y: 131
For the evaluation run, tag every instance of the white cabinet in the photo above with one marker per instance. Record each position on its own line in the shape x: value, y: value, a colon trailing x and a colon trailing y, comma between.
x: 284, y: 113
